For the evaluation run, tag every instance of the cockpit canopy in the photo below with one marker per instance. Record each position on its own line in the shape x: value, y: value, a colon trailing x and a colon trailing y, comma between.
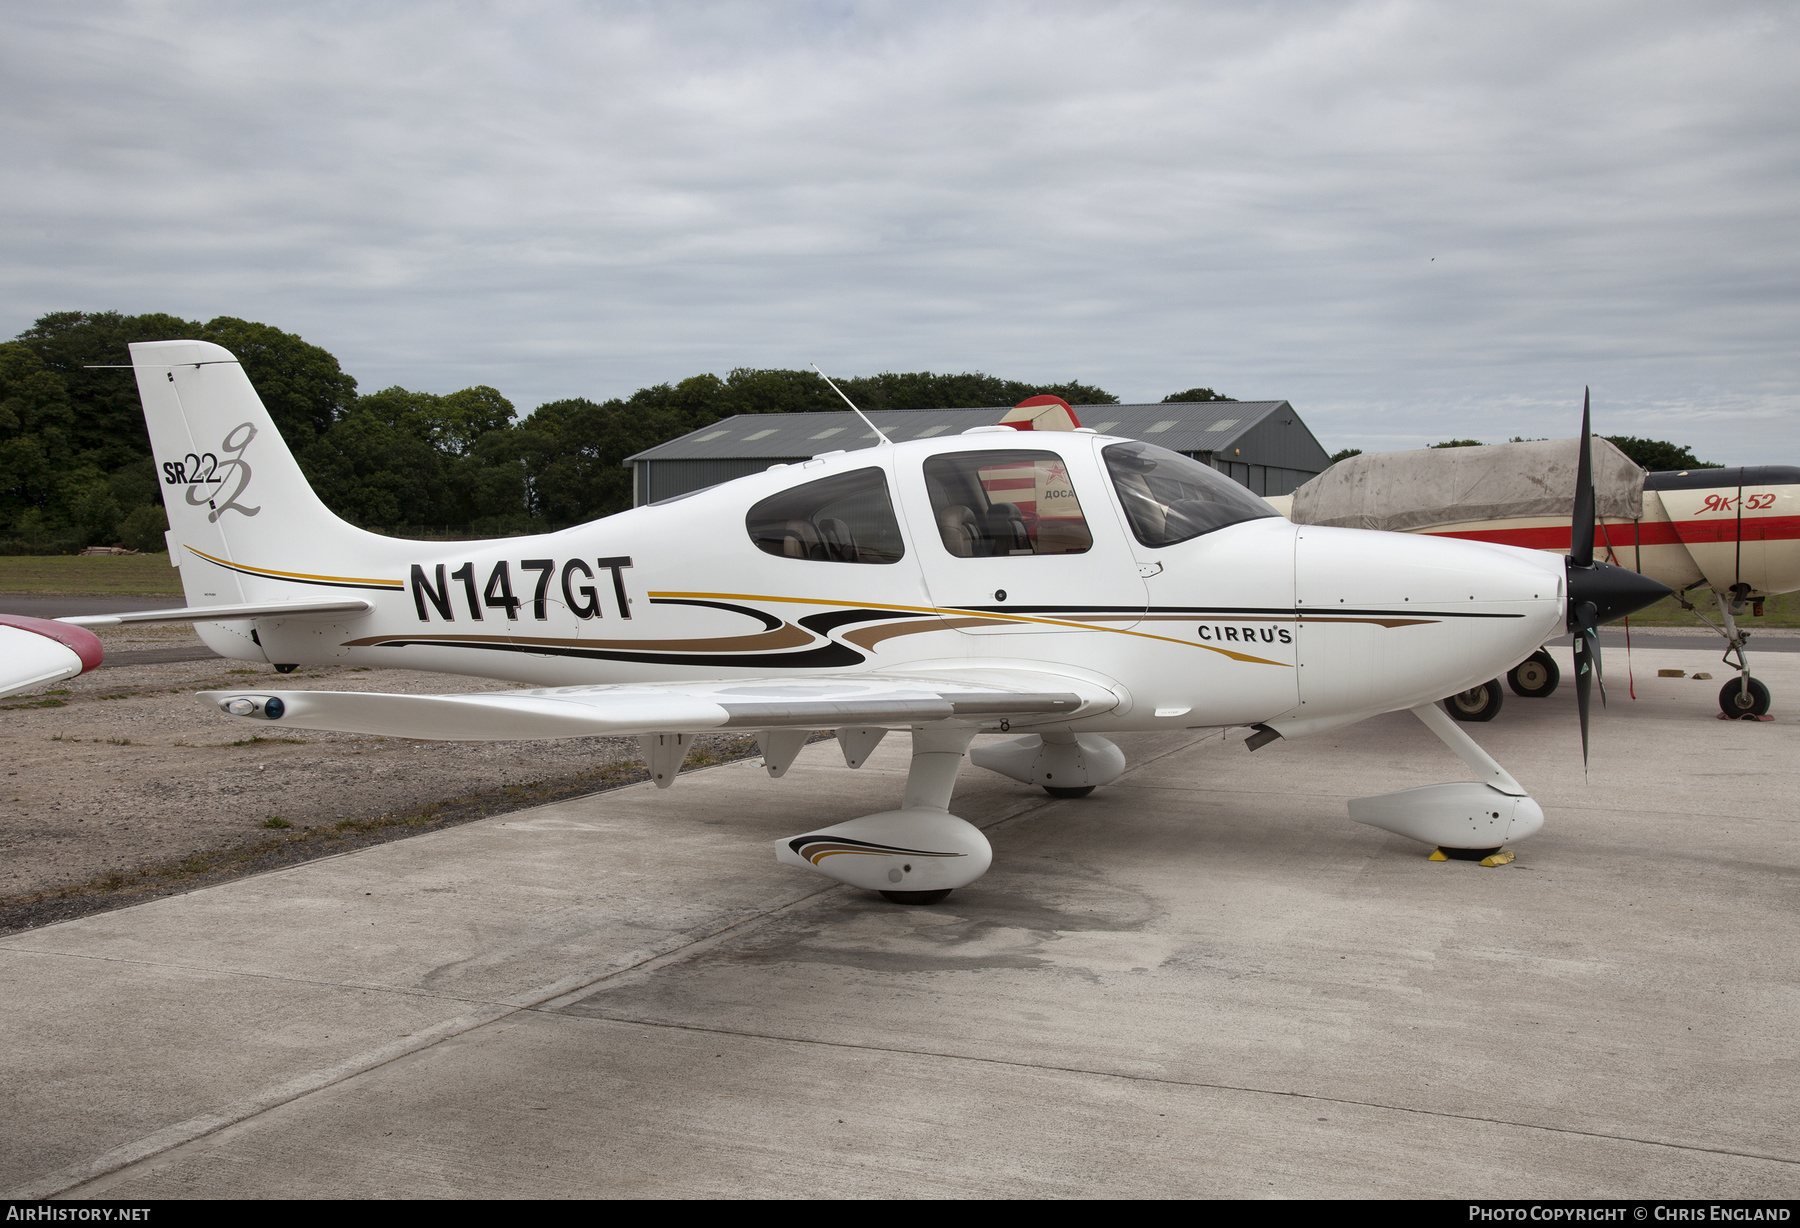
x: 997, y: 502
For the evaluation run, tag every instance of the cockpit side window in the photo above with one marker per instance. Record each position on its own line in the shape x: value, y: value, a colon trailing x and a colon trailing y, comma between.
x: 845, y: 518
x: 992, y: 504
x: 1171, y: 498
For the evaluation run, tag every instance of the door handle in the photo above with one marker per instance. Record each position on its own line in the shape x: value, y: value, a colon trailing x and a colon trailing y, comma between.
x: 1146, y: 570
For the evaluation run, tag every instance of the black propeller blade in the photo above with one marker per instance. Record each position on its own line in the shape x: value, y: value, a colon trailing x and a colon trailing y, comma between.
x: 1587, y: 655
x: 1598, y: 592
x: 1581, y: 520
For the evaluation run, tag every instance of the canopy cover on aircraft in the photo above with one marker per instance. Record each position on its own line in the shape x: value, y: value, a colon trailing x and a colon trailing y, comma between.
x: 1400, y: 491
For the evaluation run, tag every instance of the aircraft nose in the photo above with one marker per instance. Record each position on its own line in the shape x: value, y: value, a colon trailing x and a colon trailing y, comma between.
x: 1395, y: 619
x: 1613, y: 591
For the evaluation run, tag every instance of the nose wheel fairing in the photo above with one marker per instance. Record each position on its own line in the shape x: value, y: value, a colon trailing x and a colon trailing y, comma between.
x: 1474, y: 815
x: 1459, y: 815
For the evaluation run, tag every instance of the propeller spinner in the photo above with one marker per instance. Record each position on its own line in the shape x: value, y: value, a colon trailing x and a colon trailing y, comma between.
x: 1598, y: 592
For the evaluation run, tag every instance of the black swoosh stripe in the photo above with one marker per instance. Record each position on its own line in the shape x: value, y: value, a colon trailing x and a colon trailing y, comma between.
x: 769, y: 621
x: 800, y: 842
x: 825, y: 656
x: 825, y: 623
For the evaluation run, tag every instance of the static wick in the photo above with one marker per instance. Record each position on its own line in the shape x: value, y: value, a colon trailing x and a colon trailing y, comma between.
x: 852, y: 405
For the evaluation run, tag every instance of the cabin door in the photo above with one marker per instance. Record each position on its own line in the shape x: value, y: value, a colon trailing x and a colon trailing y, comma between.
x: 1021, y: 538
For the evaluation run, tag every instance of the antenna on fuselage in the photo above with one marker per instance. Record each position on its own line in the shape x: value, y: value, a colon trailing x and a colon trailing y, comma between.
x: 852, y: 405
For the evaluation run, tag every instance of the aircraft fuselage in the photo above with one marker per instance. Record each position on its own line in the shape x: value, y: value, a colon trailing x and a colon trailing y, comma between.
x: 1253, y: 622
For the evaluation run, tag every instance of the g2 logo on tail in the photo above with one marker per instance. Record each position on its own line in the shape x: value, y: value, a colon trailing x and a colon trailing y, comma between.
x: 206, y: 476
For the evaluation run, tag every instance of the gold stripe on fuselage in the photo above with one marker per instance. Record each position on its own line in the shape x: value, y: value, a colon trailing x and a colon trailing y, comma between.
x: 397, y: 585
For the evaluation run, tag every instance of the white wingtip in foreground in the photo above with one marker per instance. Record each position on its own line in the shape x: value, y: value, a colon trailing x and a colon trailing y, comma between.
x: 1043, y: 580
x: 35, y: 652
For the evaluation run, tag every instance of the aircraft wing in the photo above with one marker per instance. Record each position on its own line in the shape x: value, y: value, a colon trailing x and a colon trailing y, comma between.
x: 37, y: 651
x: 812, y: 702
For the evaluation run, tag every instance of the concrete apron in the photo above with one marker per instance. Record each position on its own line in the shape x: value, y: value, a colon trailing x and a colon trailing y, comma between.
x: 1201, y: 980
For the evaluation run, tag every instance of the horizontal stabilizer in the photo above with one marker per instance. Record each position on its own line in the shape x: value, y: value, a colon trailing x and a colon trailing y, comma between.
x: 344, y: 607
x: 577, y: 712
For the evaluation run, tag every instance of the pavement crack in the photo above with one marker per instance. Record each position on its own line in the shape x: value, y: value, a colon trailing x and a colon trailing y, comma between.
x: 254, y: 974
x: 1243, y: 1089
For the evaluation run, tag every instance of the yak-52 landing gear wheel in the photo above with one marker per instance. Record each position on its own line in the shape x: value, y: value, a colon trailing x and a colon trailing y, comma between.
x: 1742, y: 698
x: 916, y: 897
x: 1070, y: 792
x: 1534, y: 677
x: 1480, y: 703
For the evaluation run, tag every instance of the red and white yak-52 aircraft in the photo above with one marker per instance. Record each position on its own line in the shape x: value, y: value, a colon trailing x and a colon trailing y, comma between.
x: 1733, y: 530
x: 1058, y: 585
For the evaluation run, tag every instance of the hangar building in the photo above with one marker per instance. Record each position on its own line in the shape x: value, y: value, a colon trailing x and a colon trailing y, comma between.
x: 1262, y: 444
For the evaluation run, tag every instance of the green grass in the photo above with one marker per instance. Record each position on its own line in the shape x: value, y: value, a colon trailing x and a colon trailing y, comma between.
x: 1779, y: 611
x: 71, y: 575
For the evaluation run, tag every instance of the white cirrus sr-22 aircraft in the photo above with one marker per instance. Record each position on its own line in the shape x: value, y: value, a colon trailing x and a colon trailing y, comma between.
x: 1055, y: 584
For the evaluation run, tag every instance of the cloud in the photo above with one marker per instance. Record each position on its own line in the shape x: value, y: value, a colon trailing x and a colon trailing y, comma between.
x: 577, y: 199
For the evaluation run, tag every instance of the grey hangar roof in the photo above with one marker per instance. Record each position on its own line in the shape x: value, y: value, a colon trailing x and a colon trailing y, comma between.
x: 1262, y: 444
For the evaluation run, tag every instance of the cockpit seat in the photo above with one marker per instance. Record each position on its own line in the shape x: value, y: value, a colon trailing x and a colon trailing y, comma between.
x: 1006, y: 529
x: 800, y: 539
x: 839, y: 541
x: 961, y: 532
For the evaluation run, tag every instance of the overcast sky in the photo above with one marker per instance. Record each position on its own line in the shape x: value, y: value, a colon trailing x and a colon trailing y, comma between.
x: 1411, y: 220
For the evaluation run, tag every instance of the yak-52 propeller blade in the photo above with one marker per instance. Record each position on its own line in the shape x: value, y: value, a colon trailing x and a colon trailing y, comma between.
x: 1598, y: 592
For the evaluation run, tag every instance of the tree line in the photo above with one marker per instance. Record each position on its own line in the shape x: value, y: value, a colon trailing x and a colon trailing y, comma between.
x: 76, y: 467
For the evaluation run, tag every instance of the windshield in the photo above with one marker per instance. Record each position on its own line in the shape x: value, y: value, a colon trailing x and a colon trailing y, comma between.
x: 1171, y: 498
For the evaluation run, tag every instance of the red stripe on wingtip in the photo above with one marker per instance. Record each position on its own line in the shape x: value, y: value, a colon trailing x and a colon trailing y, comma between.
x: 78, y: 640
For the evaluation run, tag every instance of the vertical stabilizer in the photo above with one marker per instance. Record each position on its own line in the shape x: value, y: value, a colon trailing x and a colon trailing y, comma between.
x: 244, y: 525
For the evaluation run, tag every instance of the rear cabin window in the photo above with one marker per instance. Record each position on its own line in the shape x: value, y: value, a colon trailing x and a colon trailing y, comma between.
x: 993, y: 504
x: 1170, y: 498
x: 846, y: 518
